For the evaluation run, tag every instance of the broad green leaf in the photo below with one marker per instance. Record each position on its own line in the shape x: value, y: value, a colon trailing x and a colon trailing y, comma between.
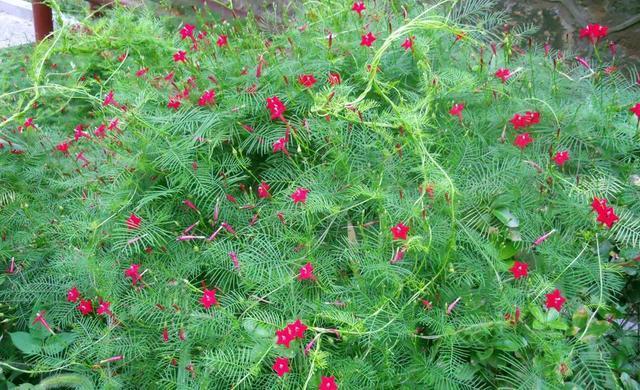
x: 506, y: 217
x: 25, y: 342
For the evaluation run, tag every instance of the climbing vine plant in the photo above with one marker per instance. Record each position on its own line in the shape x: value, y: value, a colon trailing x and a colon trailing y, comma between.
x: 377, y: 194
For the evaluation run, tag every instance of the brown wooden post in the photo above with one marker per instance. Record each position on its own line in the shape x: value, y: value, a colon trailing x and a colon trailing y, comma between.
x: 42, y: 19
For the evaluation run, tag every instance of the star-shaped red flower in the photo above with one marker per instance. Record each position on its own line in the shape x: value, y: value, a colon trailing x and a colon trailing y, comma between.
x: 280, y: 146
x: 456, y: 110
x: 284, y: 337
x: 133, y: 222
x: 103, y: 308
x: 607, y: 217
x: 368, y: 39
x: 180, y: 56
x: 276, y: 108
x: 503, y: 74
x: 187, y: 31
x: 297, y: 328
x: 281, y: 366
x: 263, y: 190
x: 133, y: 273
x: 334, y: 78
x: 306, y: 272
x: 207, y: 98
x: 358, y: 7
x: 555, y: 300
x: 519, y: 270
x: 407, y: 44
x: 561, y: 157
x: 208, y: 298
x: 636, y: 110
x: 594, y: 32
x: 73, y: 294
x: 400, y: 231
x: 300, y: 195
x: 599, y: 205
x: 63, y: 147
x: 222, y: 41
x: 522, y: 140
x: 328, y: 383
x: 307, y: 80
x: 85, y: 307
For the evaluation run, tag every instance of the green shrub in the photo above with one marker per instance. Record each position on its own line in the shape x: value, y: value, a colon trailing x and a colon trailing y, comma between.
x: 201, y: 224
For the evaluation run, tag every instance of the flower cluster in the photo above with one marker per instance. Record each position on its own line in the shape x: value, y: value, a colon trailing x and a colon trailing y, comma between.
x: 606, y: 215
x: 293, y: 331
x: 86, y: 305
x: 520, y: 121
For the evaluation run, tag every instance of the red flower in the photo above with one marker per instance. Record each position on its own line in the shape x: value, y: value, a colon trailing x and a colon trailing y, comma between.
x: 133, y: 222
x: 599, y: 205
x: 555, y: 300
x: 180, y: 56
x: 187, y: 31
x: 132, y: 272
x: 40, y: 319
x: 174, y: 103
x: 583, y: 62
x: 281, y: 366
x: 208, y: 298
x: 165, y: 334
x: 108, y: 99
x: 300, y: 195
x: 503, y: 74
x: 297, y: 329
x: 207, y: 97
x: 73, y: 295
x: 85, y: 307
x: 328, y: 383
x: 594, y: 32
x: 408, y: 43
x: 78, y: 133
x: 457, y: 110
x: 28, y: 123
x: 307, y: 80
x: 400, y: 231
x: 519, y: 269
x: 334, y: 78
x: 142, y: 72
x: 280, y: 146
x: 284, y: 337
x: 522, y: 140
x: 368, y: 39
x: 276, y: 107
x: 222, y: 41
x: 306, y: 272
x: 561, y: 157
x: 636, y: 110
x: 63, y: 147
x: 113, y: 125
x: 608, y: 217
x: 358, y: 7
x: 103, y: 308
x: 100, y: 131
x: 263, y: 190
x: 526, y: 120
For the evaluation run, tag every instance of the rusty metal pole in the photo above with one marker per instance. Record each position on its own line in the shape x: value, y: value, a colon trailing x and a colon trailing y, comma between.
x: 42, y: 19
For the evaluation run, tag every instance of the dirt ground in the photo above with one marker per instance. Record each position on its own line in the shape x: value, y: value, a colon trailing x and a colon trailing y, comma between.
x: 562, y: 19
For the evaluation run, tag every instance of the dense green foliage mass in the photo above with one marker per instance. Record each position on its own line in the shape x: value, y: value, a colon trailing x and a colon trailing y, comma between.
x: 377, y: 147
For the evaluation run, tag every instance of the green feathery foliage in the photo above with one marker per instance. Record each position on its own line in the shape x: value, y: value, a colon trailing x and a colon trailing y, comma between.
x: 440, y: 309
